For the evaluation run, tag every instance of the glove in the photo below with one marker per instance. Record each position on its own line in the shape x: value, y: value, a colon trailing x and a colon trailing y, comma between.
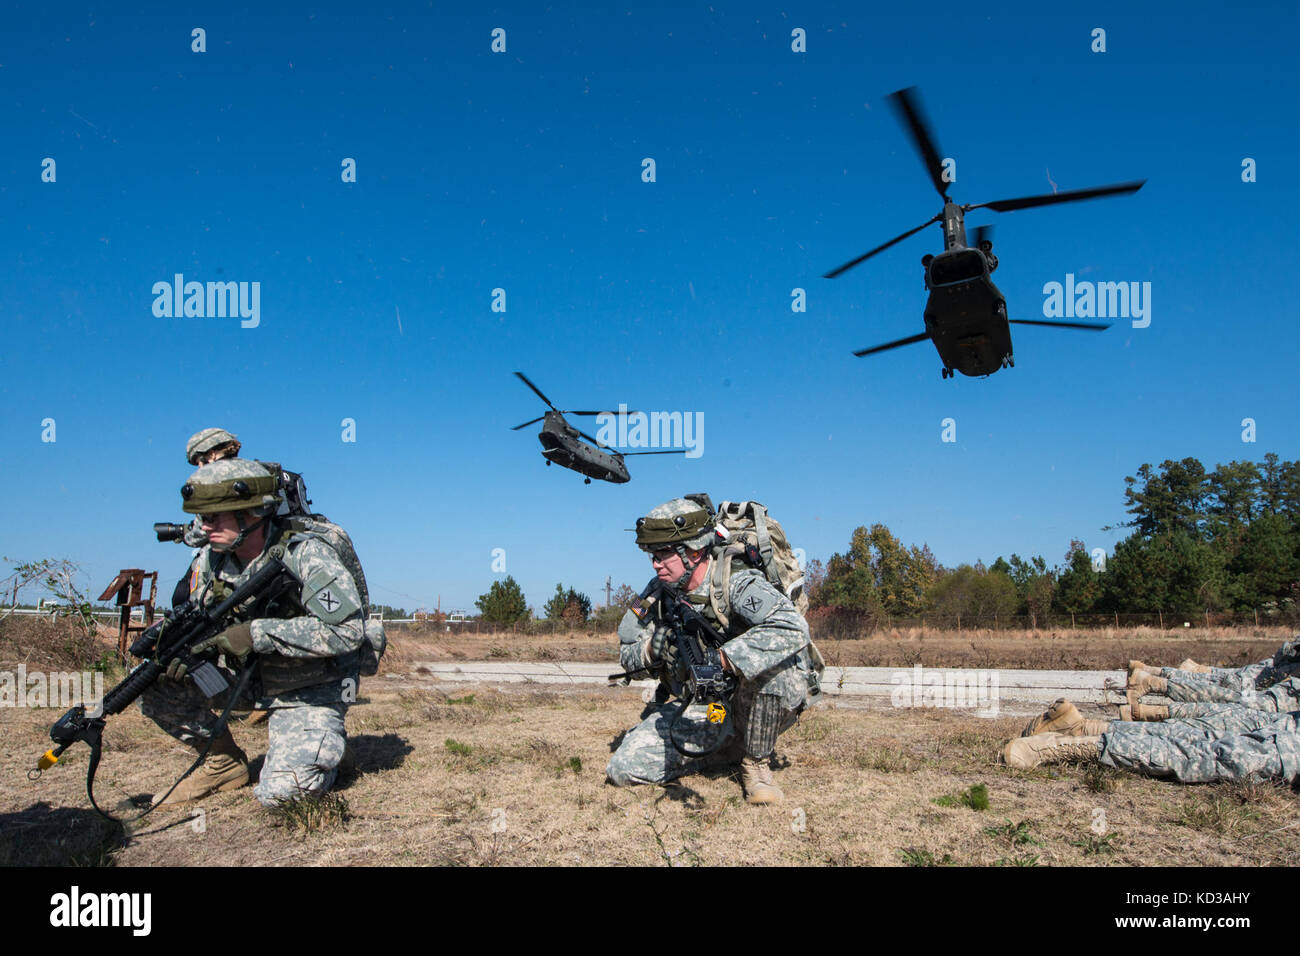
x: 176, y: 669
x: 234, y: 641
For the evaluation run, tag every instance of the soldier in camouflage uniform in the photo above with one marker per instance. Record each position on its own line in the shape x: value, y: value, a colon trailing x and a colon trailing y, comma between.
x: 308, y: 643
x: 767, y: 648
x: 203, y: 448
x: 1222, y: 742
x: 1283, y: 664
x: 1268, y: 685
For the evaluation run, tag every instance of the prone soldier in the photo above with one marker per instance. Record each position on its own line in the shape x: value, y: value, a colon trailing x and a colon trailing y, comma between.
x: 1227, y: 743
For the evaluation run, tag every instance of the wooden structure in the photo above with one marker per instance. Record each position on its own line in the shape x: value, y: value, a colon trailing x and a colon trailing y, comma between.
x: 128, y: 589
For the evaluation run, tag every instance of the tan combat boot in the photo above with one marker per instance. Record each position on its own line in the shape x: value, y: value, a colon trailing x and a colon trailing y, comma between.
x: 226, y: 768
x: 756, y: 778
x: 1064, y: 718
x: 1143, y: 683
x: 1137, y: 667
x: 1150, y: 711
x: 1195, y: 668
x: 1026, y: 752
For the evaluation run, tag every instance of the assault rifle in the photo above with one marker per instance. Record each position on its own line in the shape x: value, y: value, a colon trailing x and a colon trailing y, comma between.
x: 169, y: 640
x: 698, y: 665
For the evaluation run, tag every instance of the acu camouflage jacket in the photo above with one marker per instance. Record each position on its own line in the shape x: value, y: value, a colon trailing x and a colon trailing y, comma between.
x: 767, y: 638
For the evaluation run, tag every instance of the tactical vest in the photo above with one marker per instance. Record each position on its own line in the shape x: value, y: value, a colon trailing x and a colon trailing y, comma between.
x: 281, y: 674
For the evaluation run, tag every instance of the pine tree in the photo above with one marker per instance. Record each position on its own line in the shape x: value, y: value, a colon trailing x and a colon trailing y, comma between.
x: 567, y: 605
x: 503, y: 604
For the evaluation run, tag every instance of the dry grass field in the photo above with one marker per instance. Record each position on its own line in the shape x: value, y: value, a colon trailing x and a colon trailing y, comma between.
x: 1061, y: 649
x: 482, y: 776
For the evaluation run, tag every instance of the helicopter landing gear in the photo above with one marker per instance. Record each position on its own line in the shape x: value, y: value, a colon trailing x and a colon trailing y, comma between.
x: 945, y: 372
x: 586, y: 481
x: 548, y: 463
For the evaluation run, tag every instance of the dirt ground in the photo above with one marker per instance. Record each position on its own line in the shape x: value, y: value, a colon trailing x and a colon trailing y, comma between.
x: 479, y: 775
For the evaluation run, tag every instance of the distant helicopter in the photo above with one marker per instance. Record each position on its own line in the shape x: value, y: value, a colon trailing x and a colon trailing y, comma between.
x: 562, y: 444
x: 966, y: 314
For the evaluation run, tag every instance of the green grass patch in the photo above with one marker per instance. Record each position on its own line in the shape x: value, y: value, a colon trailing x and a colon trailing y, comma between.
x: 975, y: 797
x: 1017, y: 834
x: 1095, y: 844
x: 916, y: 856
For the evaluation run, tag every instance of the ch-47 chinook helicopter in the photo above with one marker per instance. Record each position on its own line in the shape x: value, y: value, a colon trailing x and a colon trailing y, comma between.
x: 966, y: 314
x: 562, y: 444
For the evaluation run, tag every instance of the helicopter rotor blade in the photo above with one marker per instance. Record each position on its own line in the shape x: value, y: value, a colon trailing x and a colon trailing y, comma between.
x: 893, y: 345
x: 867, y: 255
x: 569, y: 411
x: 1089, y: 326
x: 526, y: 424
x: 524, y: 378
x: 908, y: 105
x: 1049, y: 199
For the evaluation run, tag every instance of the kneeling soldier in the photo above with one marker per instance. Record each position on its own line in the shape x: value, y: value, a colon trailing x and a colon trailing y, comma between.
x: 766, y: 649
x: 308, y: 645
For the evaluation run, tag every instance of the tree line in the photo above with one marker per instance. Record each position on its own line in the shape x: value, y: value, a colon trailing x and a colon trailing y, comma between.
x: 1220, y: 540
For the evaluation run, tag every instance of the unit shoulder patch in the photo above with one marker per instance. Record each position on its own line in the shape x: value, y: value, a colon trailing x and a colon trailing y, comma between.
x: 330, y: 597
x: 753, y: 598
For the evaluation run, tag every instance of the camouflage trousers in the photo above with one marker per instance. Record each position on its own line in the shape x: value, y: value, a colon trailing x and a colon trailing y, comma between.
x: 1262, y: 674
x: 647, y: 755
x: 1230, y: 743
x: 305, y: 741
x: 1241, y: 689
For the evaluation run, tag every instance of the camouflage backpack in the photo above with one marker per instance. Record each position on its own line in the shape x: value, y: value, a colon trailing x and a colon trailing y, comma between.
x: 341, y: 542
x: 755, y: 539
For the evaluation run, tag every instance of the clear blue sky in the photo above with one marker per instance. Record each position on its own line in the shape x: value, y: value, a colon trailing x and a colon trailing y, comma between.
x: 522, y: 171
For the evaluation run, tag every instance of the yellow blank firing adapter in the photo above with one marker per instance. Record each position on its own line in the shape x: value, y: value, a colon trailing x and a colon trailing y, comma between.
x: 48, y: 760
x: 717, y: 713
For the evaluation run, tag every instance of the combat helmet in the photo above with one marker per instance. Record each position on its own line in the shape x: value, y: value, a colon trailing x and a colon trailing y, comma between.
x: 681, y: 525
x: 232, y: 484
x: 206, y: 440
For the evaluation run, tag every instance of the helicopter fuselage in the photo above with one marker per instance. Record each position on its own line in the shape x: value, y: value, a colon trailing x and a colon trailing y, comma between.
x: 966, y: 314
x: 563, y: 446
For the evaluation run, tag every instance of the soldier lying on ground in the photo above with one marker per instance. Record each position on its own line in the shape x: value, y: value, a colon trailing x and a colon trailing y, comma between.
x: 1229, y: 742
x: 1268, y: 685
